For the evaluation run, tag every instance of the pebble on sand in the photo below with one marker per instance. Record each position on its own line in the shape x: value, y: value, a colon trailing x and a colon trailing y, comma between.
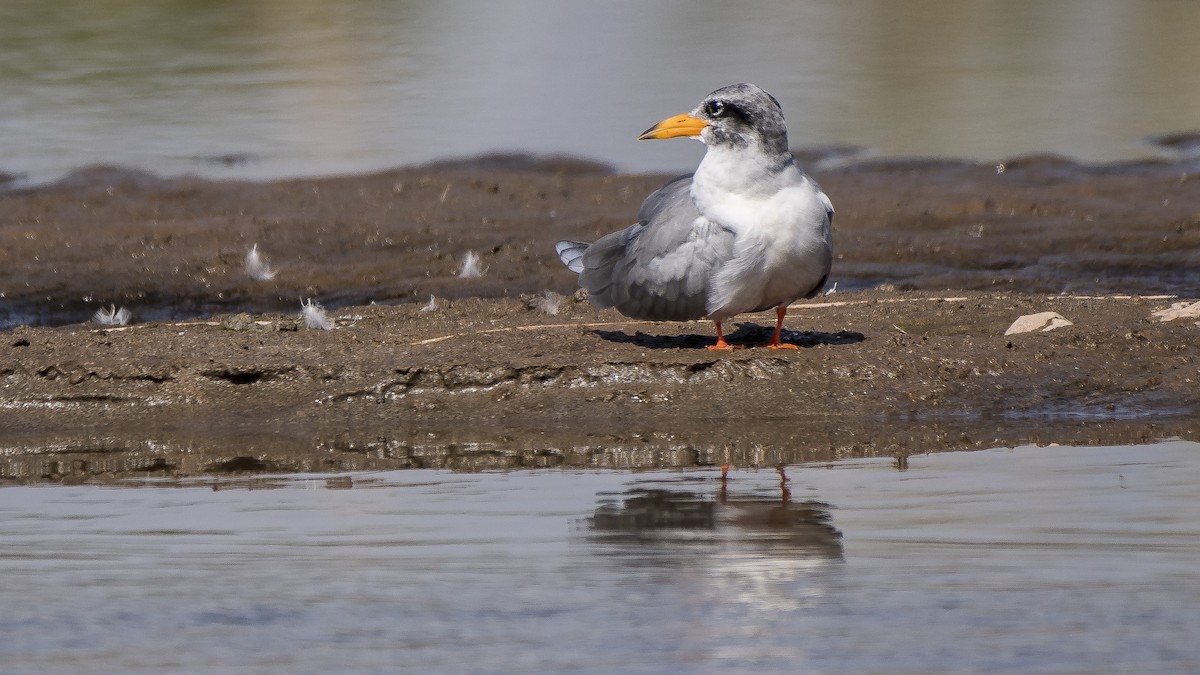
x: 1179, y: 310
x: 1043, y: 321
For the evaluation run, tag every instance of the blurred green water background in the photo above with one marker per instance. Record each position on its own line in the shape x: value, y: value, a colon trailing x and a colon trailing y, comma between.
x: 273, y: 88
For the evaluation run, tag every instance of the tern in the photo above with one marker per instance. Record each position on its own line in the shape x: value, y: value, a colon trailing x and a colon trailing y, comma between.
x: 747, y: 232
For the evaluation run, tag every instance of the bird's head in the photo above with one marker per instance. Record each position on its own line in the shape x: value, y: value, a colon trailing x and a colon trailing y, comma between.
x: 737, y: 116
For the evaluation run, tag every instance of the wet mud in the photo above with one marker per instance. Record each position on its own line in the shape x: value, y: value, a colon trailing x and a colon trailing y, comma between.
x: 934, y: 260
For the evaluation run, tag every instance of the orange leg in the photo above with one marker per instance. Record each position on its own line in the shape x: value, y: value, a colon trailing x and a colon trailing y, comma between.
x: 776, y: 342
x: 721, y: 345
x: 785, y: 493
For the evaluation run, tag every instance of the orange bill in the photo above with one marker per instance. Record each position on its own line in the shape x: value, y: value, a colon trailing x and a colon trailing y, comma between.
x: 673, y: 127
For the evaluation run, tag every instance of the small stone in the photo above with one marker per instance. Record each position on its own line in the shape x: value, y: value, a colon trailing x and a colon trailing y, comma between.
x: 1043, y: 321
x: 238, y: 322
x: 1178, y: 310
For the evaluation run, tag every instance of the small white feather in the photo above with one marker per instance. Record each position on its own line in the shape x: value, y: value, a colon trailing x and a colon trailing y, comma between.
x: 256, y: 267
x: 111, y: 316
x: 314, y: 316
x: 549, y: 302
x: 471, y: 267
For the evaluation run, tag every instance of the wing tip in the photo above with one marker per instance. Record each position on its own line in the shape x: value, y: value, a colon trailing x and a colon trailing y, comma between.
x: 571, y: 254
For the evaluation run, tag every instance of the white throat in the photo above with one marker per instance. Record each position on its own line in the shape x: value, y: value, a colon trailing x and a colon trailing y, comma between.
x: 741, y: 172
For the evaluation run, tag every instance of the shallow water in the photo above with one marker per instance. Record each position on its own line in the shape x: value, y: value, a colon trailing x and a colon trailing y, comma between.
x: 267, y: 90
x: 1033, y: 559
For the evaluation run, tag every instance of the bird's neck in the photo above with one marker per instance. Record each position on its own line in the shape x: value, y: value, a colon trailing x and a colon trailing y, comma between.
x: 747, y: 171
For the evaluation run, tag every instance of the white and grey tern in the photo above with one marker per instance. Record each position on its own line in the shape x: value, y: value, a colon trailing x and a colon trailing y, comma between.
x: 747, y: 232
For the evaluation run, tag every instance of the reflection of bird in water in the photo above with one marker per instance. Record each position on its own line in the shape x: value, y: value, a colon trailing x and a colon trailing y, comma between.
x: 785, y: 493
x: 761, y: 551
x: 774, y: 524
x: 749, y: 231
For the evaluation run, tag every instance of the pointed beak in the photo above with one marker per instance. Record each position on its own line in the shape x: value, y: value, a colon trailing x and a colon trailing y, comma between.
x: 673, y: 127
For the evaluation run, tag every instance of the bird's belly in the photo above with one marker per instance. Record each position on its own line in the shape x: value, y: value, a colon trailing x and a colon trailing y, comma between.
x: 781, y: 249
x: 783, y: 288
x: 774, y: 272
x: 785, y: 279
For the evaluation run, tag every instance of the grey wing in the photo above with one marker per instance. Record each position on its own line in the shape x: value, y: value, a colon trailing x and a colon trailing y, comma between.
x: 828, y: 224
x: 828, y: 206
x: 658, y: 268
x: 571, y: 254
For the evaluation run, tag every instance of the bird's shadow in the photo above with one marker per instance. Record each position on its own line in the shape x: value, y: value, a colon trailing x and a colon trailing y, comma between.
x: 747, y: 335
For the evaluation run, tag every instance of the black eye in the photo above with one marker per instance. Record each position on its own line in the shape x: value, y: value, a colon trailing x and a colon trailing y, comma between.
x: 715, y: 108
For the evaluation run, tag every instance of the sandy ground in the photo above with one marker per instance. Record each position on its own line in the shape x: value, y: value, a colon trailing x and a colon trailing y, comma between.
x: 934, y: 261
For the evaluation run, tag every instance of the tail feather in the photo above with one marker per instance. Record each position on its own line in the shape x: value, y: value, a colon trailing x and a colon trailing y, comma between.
x: 571, y: 254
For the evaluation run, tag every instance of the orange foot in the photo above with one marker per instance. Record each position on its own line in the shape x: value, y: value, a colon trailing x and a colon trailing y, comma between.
x: 782, y: 345
x: 722, y: 345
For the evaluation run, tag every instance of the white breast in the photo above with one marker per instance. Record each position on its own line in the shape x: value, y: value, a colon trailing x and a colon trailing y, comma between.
x: 782, y: 247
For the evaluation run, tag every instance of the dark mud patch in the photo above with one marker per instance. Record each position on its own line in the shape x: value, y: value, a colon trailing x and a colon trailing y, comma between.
x: 495, y: 373
x: 1185, y: 143
x: 174, y: 248
x: 522, y: 161
x: 488, y: 384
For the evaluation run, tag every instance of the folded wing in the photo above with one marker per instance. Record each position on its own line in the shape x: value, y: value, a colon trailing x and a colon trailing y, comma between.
x: 659, y: 268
